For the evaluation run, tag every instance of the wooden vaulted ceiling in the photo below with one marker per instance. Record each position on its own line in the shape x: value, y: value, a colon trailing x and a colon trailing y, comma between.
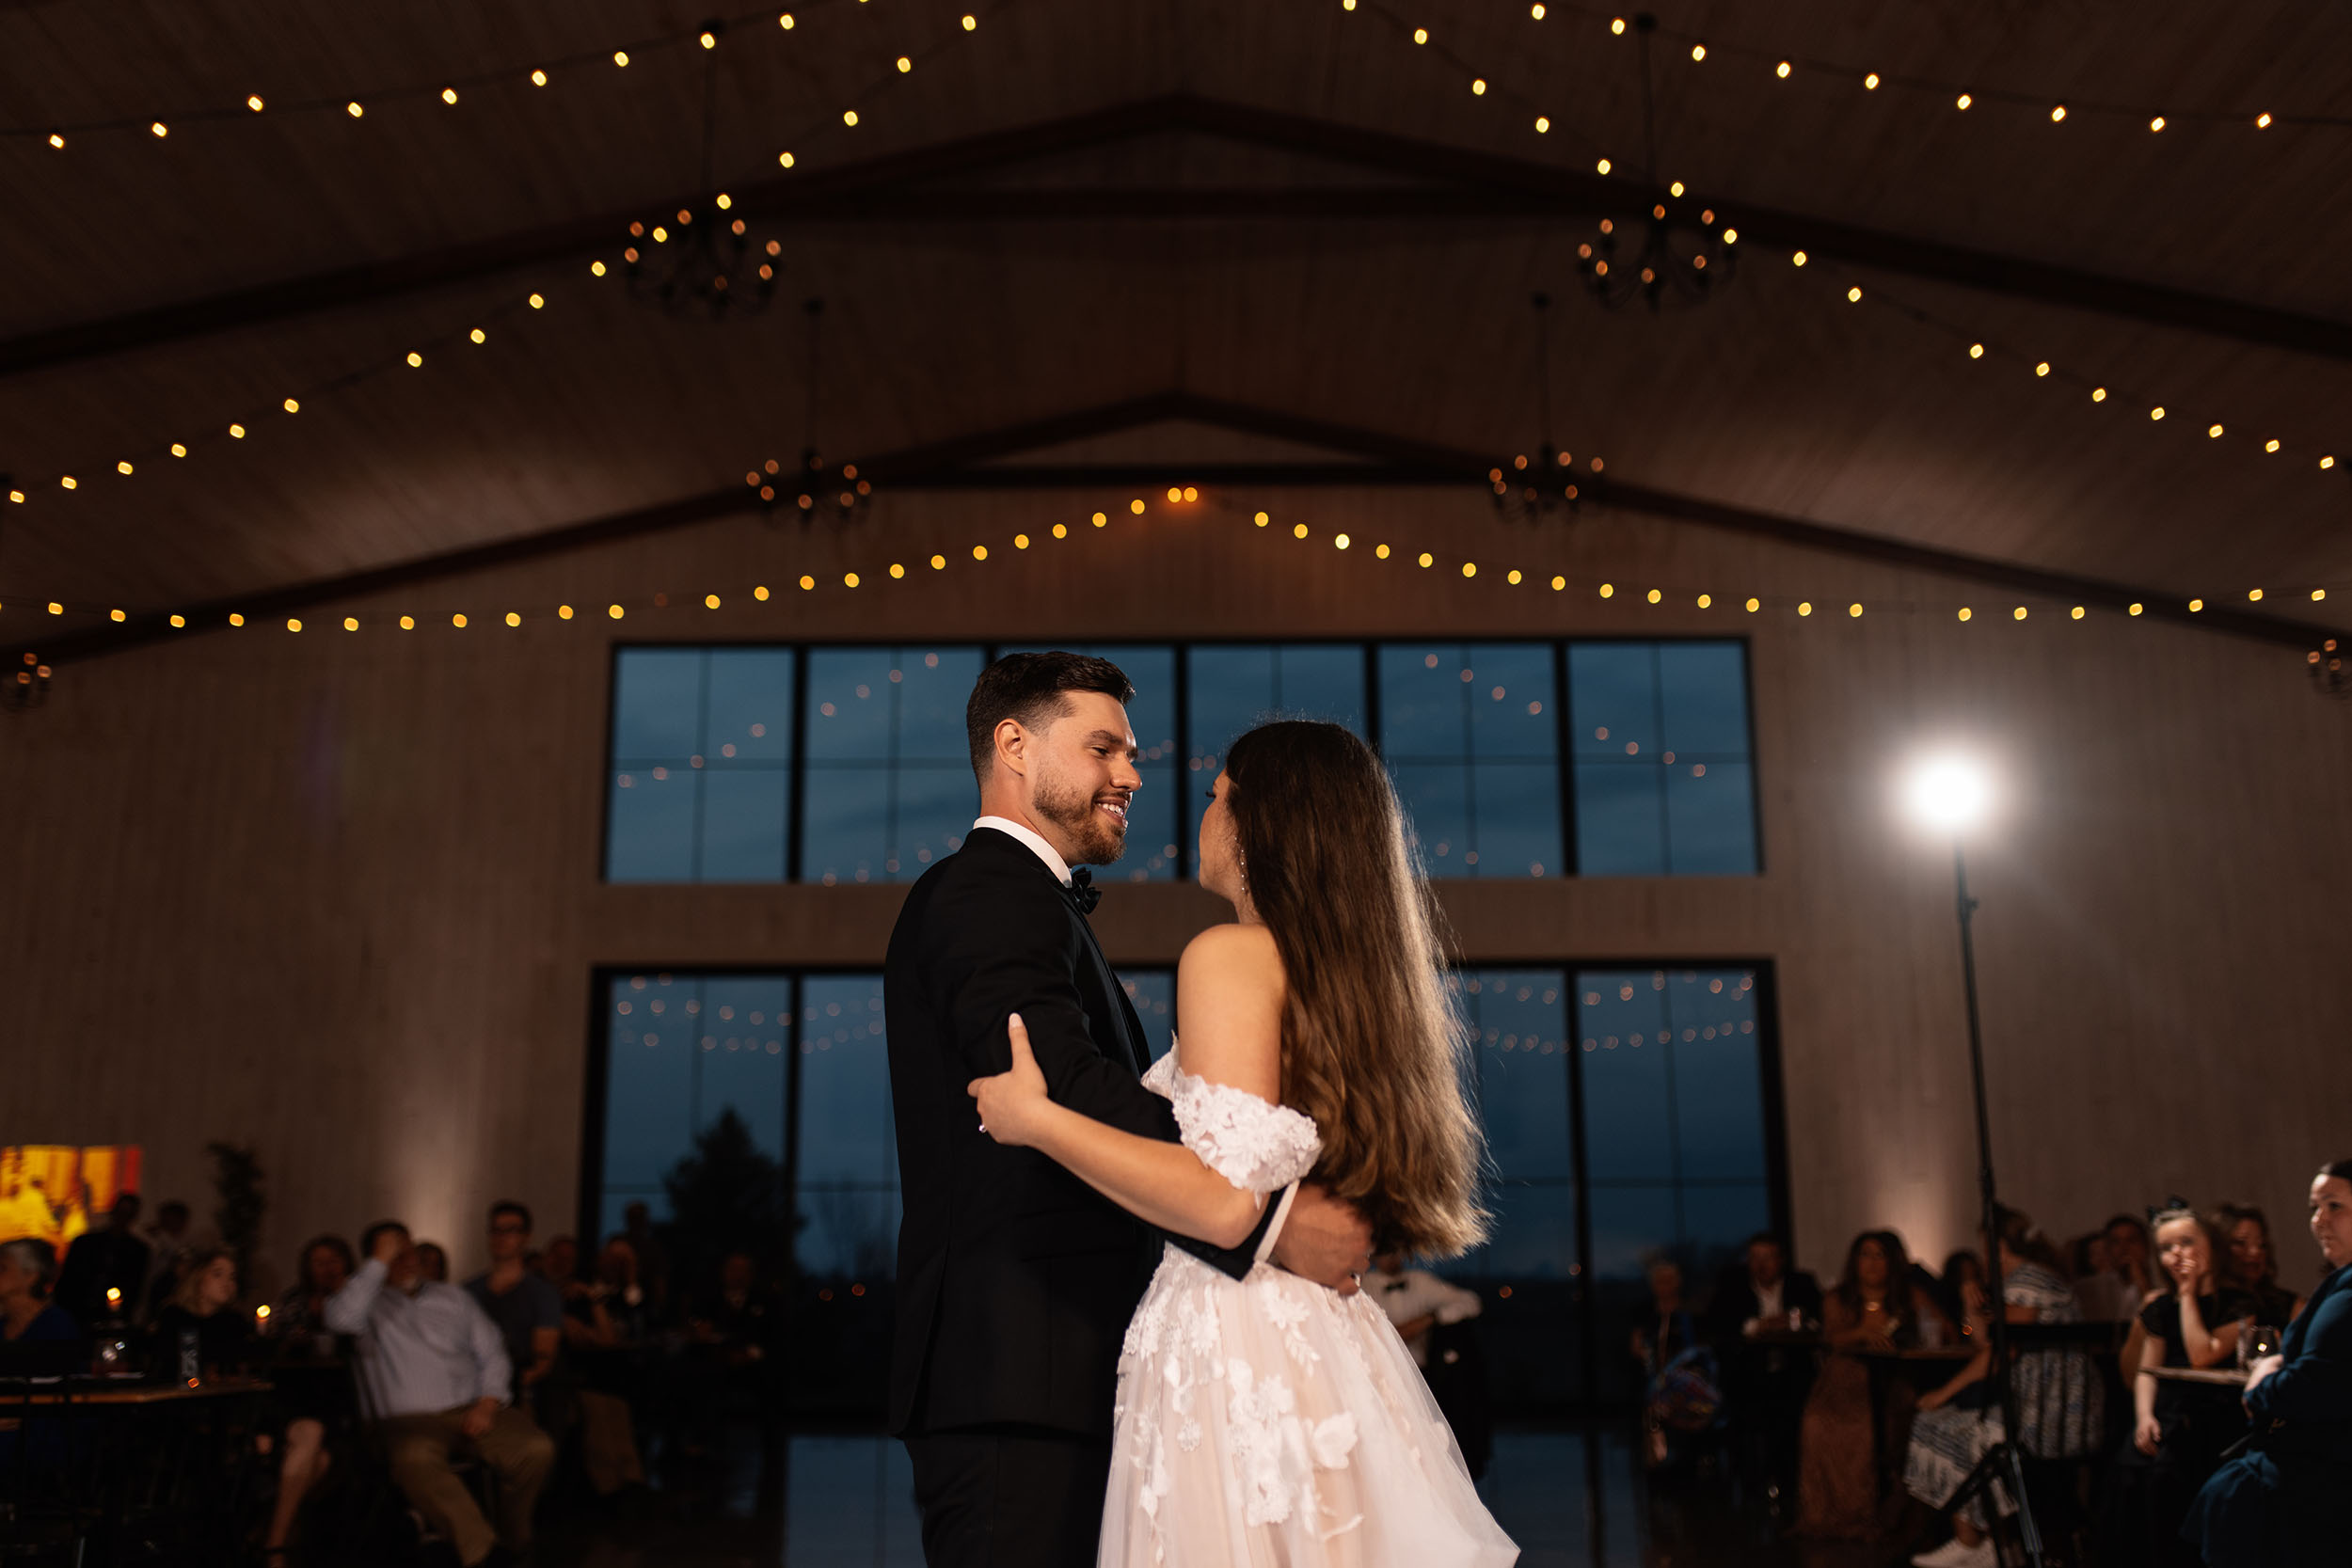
x: 1284, y: 209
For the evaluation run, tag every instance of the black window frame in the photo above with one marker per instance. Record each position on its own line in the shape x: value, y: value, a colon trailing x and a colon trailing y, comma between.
x: 1180, y: 704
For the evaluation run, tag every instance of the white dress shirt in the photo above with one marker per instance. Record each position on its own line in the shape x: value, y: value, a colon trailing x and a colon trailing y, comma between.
x: 1060, y: 869
x: 420, y: 1353
x: 1036, y: 841
x: 1417, y: 1294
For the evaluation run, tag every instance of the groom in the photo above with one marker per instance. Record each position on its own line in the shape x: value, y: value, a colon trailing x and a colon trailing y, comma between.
x: 1016, y: 1279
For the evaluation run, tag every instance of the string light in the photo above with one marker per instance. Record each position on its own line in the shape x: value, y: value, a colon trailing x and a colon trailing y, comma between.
x: 1470, y: 571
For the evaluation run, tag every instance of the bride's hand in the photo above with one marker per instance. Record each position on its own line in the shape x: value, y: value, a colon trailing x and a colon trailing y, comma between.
x: 1013, y: 1105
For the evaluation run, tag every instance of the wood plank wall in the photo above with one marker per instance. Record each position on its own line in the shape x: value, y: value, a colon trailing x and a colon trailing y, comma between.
x: 336, y: 894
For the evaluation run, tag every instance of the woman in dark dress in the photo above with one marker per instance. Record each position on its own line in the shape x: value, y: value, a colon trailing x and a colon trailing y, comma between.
x: 2249, y: 1263
x: 201, y: 1315
x: 1875, y: 1308
x: 2280, y: 1504
x: 2180, y: 1428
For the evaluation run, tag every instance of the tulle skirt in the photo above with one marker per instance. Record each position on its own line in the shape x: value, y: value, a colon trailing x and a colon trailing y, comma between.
x: 1267, y: 1422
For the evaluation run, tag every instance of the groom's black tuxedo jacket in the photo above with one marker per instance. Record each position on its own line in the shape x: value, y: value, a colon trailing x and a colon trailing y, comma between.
x: 1015, y: 1278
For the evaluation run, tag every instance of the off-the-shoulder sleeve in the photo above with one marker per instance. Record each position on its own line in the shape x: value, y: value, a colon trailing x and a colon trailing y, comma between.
x: 1256, y: 1146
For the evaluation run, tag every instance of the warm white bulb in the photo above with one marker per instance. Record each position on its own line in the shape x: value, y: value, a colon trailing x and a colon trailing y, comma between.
x: 1948, y: 792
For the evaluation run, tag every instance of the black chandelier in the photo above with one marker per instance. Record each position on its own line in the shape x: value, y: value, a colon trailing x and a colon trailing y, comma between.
x: 1676, y: 259
x: 2329, y: 678
x: 1529, y: 489
x: 25, y: 688
x: 817, y: 485
x: 713, y: 268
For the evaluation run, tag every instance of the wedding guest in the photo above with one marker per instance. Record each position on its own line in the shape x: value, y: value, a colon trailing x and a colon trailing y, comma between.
x: 2128, y: 1282
x: 437, y: 1377
x: 2179, y: 1429
x: 1765, y: 1382
x: 38, y: 1338
x: 2249, y: 1263
x: 1959, y: 1289
x: 202, y: 1312
x: 169, y: 1246
x: 653, y: 1260
x: 28, y: 1315
x: 525, y: 1305
x: 113, y: 1258
x: 325, y: 1264
x: 2057, y: 1398
x: 434, y: 1260
x: 604, y: 1329
x: 1663, y: 1328
x: 1876, y: 1307
x: 560, y: 1262
x: 2282, y: 1503
x: 1416, y: 1301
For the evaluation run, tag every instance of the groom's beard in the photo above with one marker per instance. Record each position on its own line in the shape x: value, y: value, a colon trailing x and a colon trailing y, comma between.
x: 1100, y: 839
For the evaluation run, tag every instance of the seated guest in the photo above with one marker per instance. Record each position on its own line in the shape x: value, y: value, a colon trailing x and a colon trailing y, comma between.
x: 28, y: 1270
x: 2057, y: 1398
x: 2179, y: 1429
x: 1960, y: 1290
x: 202, y: 1314
x: 325, y: 1265
x: 1765, y: 1384
x: 113, y: 1258
x: 437, y: 1377
x: 433, y: 1260
x: 2282, y: 1503
x: 2125, y: 1285
x: 1875, y: 1308
x: 1662, y: 1328
x: 1682, y: 1382
x: 1416, y: 1301
x: 739, y: 1320
x: 2249, y: 1263
x: 525, y: 1305
x: 560, y: 1262
x: 653, y: 1261
x: 37, y: 1339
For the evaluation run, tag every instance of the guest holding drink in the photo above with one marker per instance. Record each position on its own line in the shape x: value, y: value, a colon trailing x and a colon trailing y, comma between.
x: 1874, y: 1308
x: 2280, y: 1504
x: 2179, y: 1429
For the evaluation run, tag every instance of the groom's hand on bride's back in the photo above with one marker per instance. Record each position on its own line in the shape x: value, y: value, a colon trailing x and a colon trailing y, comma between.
x: 1324, y: 1238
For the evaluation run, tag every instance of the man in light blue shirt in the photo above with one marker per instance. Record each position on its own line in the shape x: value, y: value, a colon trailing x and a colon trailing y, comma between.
x: 437, y: 1377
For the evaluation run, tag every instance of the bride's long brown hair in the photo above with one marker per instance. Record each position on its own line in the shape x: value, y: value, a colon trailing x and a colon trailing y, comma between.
x: 1371, y: 1048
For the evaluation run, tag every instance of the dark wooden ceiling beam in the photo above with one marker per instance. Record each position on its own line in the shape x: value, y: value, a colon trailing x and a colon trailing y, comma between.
x: 1369, y: 459
x: 1421, y: 180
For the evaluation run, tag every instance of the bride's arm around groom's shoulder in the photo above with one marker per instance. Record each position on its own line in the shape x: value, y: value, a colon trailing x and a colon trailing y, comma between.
x: 1230, y: 995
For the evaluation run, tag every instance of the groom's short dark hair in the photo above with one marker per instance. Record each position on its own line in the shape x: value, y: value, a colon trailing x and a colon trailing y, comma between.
x: 1028, y: 688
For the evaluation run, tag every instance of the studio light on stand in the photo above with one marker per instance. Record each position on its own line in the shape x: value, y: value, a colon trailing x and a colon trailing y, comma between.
x: 1952, y: 795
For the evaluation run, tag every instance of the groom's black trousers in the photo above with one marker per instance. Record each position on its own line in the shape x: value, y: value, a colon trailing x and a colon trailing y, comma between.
x: 1010, y: 1496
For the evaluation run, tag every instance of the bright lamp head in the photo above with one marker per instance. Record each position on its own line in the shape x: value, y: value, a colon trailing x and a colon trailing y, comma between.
x: 1949, y: 793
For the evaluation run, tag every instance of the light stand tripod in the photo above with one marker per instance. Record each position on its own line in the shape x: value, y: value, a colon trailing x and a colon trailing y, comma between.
x: 2002, y: 1462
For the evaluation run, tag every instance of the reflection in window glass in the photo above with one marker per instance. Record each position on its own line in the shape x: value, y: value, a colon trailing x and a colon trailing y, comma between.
x: 1674, y: 1119
x: 701, y: 765
x: 1526, y: 1269
x: 847, y: 1200
x: 889, y: 775
x: 680, y: 1050
x: 1152, y: 994
x: 1233, y: 689
x: 1470, y: 734
x: 1664, y: 783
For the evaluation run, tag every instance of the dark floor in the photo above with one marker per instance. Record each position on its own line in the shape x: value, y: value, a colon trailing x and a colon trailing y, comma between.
x: 1572, y: 1497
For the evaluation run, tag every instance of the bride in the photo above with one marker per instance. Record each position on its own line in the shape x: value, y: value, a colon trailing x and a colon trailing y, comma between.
x: 1266, y: 1420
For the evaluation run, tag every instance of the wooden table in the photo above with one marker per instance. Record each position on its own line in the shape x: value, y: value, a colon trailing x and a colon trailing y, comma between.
x: 79, y: 1392
x: 2220, y: 1377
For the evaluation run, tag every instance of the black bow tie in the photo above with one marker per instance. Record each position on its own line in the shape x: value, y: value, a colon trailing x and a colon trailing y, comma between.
x: 1082, y: 892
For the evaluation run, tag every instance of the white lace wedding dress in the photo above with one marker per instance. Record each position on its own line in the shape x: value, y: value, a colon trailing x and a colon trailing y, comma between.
x: 1267, y: 1422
